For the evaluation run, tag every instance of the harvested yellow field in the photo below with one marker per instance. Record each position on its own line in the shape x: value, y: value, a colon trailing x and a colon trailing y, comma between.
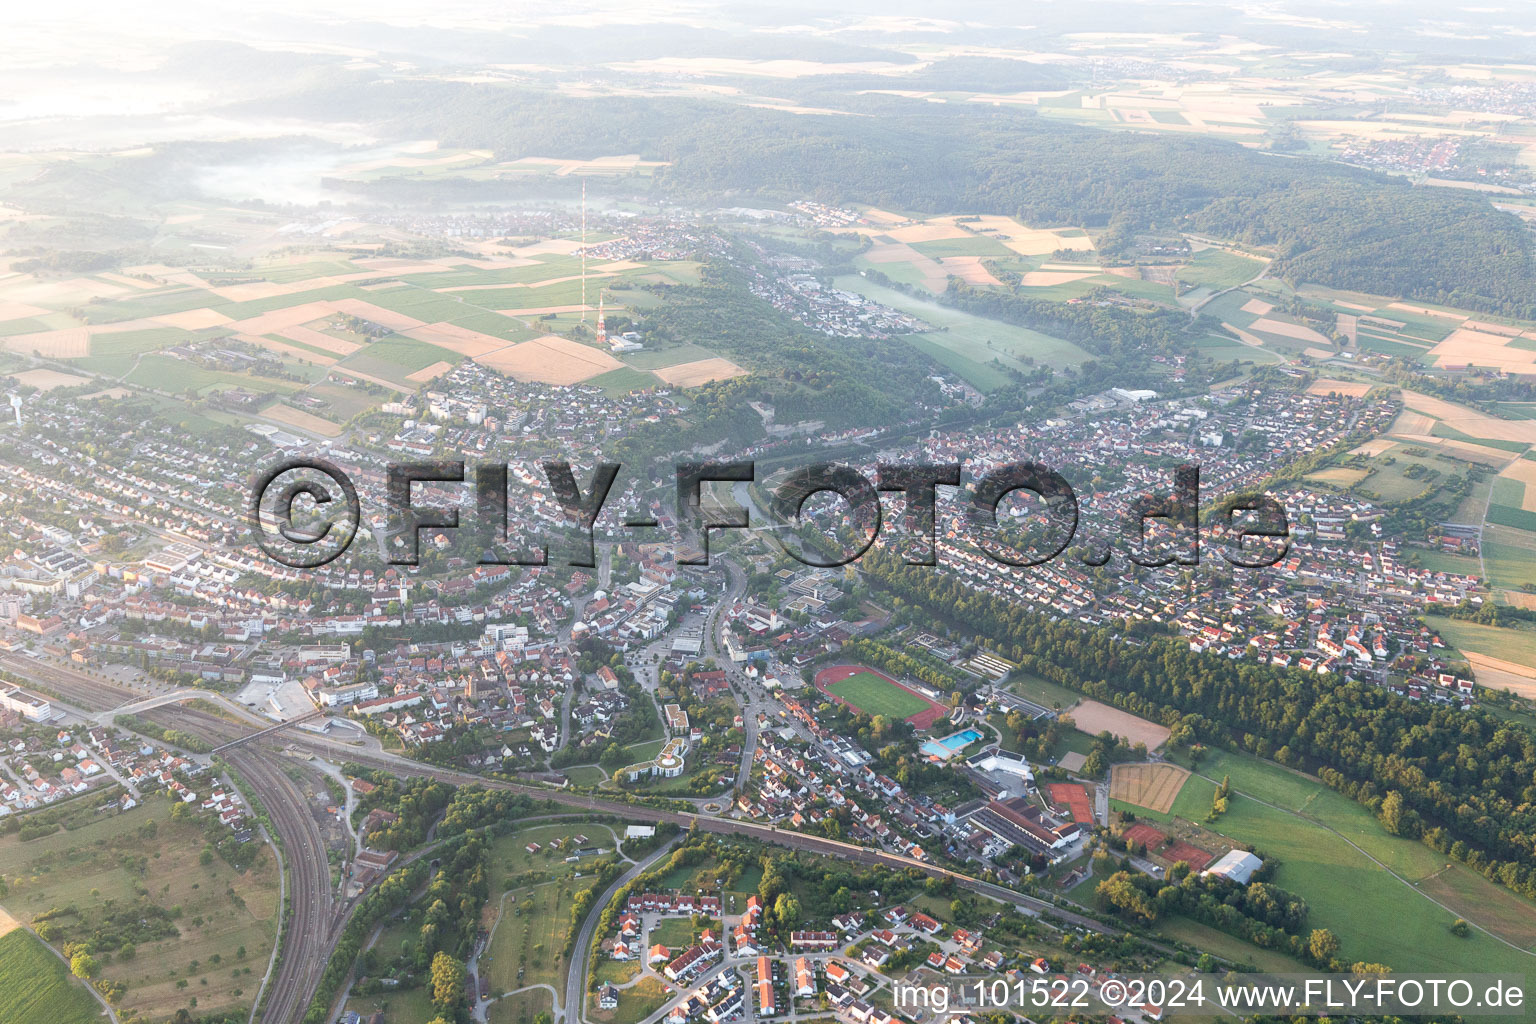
x: 1258, y: 307
x: 1375, y: 446
x: 1503, y: 675
x: 69, y: 343
x: 1483, y: 348
x: 968, y: 269
x: 1339, y: 476
x: 193, y: 319
x: 883, y: 216
x: 1409, y: 307
x: 374, y: 314
x: 700, y: 371
x: 550, y: 246
x: 550, y: 360
x: 1153, y: 786
x: 1244, y: 336
x: 1467, y: 451
x: 8, y: 923
x: 1031, y: 241
x: 319, y: 339
x: 1523, y: 470
x: 288, y: 415
x: 1470, y: 421
x: 1349, y: 327
x: 47, y: 380
x: 286, y: 351
x: 276, y: 320
x: 457, y: 339
x: 1411, y: 424
x: 1046, y: 278
x: 929, y: 231
x: 1347, y: 388
x: 396, y: 265
x: 1481, y: 325
x: 20, y: 310
x: 427, y: 373
x: 933, y: 273
x: 1288, y: 330
x: 76, y: 291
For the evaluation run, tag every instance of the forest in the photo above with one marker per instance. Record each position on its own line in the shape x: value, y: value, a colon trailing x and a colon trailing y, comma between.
x: 1330, y: 224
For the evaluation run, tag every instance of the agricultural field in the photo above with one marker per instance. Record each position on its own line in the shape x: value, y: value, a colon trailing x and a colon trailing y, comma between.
x: 1044, y: 263
x: 1501, y: 657
x: 123, y: 875
x: 172, y: 330
x: 36, y: 987
x: 1396, y: 472
x: 1510, y: 556
x: 1218, y: 269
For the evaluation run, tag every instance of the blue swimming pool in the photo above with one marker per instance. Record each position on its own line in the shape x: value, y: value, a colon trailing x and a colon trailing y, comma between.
x: 950, y: 745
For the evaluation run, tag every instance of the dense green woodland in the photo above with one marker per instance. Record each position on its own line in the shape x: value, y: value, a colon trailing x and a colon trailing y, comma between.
x: 1466, y: 779
x: 1332, y: 225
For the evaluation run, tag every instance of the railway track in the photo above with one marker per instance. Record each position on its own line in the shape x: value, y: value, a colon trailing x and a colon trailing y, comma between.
x: 316, y: 916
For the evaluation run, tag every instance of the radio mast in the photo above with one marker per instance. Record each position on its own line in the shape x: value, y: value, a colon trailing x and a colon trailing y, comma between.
x: 583, y: 250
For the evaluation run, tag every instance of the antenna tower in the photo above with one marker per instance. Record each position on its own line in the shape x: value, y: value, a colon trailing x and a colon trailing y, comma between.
x: 583, y: 250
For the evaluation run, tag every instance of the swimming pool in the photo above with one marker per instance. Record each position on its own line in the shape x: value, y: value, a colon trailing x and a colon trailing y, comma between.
x: 950, y: 745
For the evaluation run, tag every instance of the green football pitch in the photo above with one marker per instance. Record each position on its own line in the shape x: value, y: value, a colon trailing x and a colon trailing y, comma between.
x: 875, y: 696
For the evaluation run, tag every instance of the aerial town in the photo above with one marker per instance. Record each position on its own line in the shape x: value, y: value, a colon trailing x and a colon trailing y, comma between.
x: 853, y: 519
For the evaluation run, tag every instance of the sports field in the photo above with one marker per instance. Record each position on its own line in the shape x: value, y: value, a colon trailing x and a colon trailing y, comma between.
x: 1154, y: 786
x: 1093, y: 717
x: 1074, y: 798
x: 872, y: 693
